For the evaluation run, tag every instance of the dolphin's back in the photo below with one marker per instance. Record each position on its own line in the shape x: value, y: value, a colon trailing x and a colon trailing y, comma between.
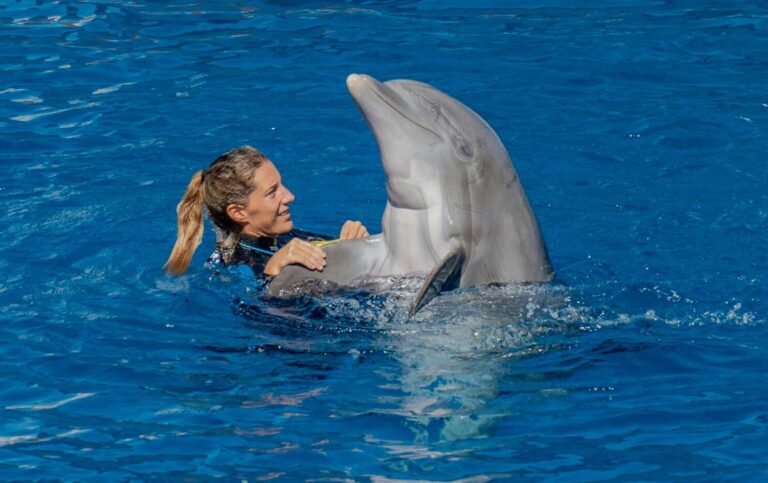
x: 504, y: 243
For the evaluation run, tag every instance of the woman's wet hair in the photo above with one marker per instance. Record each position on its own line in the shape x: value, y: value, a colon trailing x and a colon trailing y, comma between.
x: 228, y: 180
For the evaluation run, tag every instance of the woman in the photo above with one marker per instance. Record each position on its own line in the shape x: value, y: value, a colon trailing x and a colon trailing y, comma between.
x: 248, y: 205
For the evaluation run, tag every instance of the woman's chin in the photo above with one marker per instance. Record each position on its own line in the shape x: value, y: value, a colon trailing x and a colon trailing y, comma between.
x: 281, y: 228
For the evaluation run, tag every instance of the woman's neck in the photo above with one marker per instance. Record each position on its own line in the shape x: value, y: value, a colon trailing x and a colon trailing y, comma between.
x: 247, y: 231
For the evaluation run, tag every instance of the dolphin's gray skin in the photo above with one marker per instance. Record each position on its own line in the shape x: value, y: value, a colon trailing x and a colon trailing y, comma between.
x: 451, y: 189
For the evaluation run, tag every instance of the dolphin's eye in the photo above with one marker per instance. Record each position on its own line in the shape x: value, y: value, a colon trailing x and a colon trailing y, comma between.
x: 466, y: 150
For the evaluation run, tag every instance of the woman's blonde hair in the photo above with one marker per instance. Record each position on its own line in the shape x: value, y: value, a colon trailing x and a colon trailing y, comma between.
x: 228, y: 180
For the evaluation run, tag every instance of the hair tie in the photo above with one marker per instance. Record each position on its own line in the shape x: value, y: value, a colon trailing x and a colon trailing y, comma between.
x: 203, y: 173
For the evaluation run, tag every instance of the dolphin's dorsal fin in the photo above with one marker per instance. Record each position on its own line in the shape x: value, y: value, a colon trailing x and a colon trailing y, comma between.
x: 444, y: 277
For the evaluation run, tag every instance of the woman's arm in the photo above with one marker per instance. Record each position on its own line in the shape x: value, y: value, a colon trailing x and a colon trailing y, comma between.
x: 299, y: 252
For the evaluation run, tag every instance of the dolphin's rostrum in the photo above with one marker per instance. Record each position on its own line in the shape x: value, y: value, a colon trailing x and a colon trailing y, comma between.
x: 453, y: 197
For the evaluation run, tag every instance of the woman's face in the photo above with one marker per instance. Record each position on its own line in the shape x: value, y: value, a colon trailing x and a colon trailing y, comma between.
x: 266, y: 211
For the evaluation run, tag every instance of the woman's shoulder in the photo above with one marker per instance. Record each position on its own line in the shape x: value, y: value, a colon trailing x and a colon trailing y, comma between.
x: 249, y: 252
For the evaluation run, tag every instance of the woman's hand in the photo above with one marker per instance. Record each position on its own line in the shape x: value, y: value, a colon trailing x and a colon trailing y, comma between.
x: 353, y: 229
x: 296, y: 252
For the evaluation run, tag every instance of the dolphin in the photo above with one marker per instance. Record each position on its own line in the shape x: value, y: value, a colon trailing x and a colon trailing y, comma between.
x: 455, y: 211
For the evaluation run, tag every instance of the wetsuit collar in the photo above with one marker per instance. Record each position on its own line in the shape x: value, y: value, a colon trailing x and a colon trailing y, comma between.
x: 259, y: 243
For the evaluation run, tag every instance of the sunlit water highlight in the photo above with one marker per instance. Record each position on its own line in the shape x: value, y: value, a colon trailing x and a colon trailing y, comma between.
x: 638, y: 130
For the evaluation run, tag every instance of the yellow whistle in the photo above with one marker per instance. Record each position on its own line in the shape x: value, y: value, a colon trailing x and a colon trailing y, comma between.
x: 323, y: 243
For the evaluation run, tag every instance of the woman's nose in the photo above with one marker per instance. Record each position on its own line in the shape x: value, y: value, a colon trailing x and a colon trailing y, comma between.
x: 288, y: 198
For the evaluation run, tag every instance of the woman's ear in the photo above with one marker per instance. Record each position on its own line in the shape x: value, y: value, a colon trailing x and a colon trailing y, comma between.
x: 237, y: 213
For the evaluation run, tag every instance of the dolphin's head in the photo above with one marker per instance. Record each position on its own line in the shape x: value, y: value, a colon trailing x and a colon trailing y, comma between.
x: 429, y: 142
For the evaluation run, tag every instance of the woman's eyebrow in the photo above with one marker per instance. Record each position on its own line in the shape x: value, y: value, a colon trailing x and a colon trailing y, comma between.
x: 272, y: 188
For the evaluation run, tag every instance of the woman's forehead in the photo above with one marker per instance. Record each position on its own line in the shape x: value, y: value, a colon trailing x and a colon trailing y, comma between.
x: 266, y: 176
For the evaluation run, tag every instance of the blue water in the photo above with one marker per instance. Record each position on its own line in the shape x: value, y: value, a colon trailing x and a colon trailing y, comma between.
x: 638, y: 130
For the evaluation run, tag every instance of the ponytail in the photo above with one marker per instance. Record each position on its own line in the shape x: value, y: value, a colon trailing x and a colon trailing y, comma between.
x: 190, y: 230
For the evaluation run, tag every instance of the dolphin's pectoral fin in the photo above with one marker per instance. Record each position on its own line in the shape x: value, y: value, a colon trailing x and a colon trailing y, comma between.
x: 444, y: 277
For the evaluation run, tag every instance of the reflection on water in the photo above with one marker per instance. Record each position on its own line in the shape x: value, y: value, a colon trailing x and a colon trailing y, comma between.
x: 453, y: 353
x: 450, y: 355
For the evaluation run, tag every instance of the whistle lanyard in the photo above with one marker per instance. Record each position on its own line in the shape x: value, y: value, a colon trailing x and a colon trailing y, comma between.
x: 257, y: 249
x: 317, y: 243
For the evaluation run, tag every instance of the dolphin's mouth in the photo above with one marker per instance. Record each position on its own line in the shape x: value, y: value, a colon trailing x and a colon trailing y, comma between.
x: 373, y: 87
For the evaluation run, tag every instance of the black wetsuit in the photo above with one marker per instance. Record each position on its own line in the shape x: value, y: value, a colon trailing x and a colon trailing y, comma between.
x: 256, y: 251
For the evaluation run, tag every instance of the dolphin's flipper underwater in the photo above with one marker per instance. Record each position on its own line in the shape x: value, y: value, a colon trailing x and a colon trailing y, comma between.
x: 445, y: 276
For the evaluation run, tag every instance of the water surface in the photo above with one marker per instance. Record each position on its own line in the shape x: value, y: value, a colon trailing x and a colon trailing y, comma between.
x: 638, y: 130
